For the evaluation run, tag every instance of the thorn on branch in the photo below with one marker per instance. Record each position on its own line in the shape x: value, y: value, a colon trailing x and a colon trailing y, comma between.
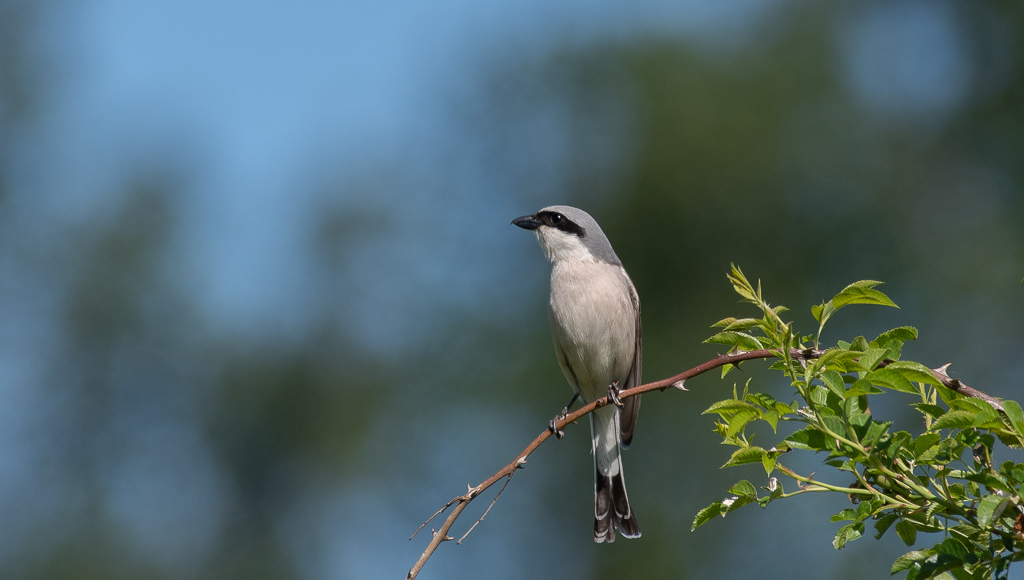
x: 450, y: 503
x: 493, y: 501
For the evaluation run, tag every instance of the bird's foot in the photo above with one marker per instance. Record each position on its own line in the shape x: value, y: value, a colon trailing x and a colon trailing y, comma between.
x: 613, y: 394
x: 553, y: 425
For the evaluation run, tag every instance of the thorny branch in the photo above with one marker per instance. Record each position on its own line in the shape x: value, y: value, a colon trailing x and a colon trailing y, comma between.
x: 460, y: 502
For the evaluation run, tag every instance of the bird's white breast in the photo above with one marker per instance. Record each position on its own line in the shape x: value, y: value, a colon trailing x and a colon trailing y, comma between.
x: 593, y: 323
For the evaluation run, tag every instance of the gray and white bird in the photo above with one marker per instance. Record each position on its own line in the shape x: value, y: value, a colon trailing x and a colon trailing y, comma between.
x: 595, y: 324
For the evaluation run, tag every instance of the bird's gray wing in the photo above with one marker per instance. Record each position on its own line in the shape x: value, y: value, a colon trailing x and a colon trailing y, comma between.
x: 631, y: 406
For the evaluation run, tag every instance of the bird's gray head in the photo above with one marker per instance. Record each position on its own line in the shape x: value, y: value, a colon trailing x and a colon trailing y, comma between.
x: 569, y: 234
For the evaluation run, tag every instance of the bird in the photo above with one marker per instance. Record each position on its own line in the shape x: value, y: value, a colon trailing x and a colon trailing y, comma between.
x: 594, y: 312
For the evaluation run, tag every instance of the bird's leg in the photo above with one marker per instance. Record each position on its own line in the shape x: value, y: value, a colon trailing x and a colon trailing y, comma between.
x: 613, y: 394
x: 553, y: 425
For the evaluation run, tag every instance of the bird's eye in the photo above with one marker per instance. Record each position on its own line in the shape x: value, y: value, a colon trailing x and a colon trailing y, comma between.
x: 557, y: 218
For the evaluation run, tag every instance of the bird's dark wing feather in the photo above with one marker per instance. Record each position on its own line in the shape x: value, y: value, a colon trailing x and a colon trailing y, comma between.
x: 631, y: 406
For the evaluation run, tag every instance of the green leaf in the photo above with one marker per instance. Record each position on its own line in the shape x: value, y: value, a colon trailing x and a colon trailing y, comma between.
x: 862, y: 292
x: 744, y: 488
x: 707, y: 514
x: 870, y: 359
x: 768, y: 462
x: 953, y: 547
x: 745, y: 455
x: 819, y: 395
x: 729, y: 406
x: 915, y: 372
x: 862, y: 387
x: 907, y: 532
x: 958, y: 419
x: 990, y: 509
x: 809, y: 438
x: 883, y: 524
x: 740, y: 420
x: 906, y: 561
x: 823, y: 311
x: 875, y: 431
x: 740, y: 340
x: 988, y: 417
x: 723, y: 322
x: 834, y: 381
x: 847, y: 533
x: 1014, y: 413
x: 835, y: 357
x: 957, y: 491
x: 932, y: 410
x: 925, y: 442
x: 742, y: 323
x: 847, y: 514
x: 901, y: 334
x: 891, y: 379
x: 859, y: 344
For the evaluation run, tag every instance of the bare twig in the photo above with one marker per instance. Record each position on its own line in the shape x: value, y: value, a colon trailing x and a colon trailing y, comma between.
x: 486, y: 511
x: 460, y: 502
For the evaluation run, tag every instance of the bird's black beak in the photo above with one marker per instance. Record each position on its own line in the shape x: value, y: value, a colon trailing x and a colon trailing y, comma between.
x: 527, y: 222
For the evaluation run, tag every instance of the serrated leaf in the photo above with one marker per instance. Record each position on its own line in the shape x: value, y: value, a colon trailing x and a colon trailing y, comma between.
x: 891, y: 379
x: 740, y: 340
x: 990, y: 509
x: 834, y: 356
x: 768, y: 462
x: 742, y: 324
x: 883, y: 524
x: 952, y: 547
x: 723, y: 322
x: 834, y: 381
x: 740, y: 420
x: 907, y: 532
x: 847, y: 533
x: 906, y: 561
x: 988, y: 417
x: 872, y: 356
x: 902, y: 334
x: 835, y: 425
x: 957, y: 419
x: 915, y: 372
x: 845, y: 515
x: 859, y: 344
x: 925, y: 442
x: 823, y: 311
x: 862, y: 387
x: 729, y: 406
x: 1014, y: 413
x: 743, y: 455
x: 862, y: 292
x: 744, y: 488
x: 809, y: 438
x: 707, y: 514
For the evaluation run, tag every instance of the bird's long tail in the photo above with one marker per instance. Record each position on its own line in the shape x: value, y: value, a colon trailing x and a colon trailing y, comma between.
x: 611, y: 504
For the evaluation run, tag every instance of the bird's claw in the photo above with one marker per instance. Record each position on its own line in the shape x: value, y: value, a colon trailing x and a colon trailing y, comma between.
x: 553, y: 425
x: 613, y: 395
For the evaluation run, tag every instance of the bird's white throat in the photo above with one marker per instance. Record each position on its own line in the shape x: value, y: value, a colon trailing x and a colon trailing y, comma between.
x: 561, y: 246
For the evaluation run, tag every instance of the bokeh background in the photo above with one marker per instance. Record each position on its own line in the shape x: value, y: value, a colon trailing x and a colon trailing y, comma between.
x: 263, y: 311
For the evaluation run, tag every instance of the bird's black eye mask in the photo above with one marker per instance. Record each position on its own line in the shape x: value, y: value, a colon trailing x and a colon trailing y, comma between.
x: 558, y: 221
